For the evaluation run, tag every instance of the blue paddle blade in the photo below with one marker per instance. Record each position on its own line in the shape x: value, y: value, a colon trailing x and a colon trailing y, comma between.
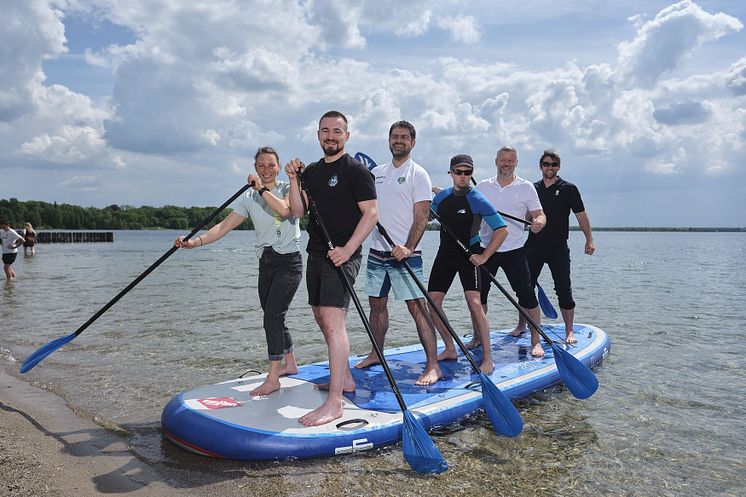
x: 367, y: 161
x: 505, y: 418
x: 578, y: 377
x: 419, y: 449
x: 545, y: 304
x: 44, y: 351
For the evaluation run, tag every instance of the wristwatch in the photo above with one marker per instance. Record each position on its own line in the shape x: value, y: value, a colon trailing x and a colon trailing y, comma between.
x: 262, y: 190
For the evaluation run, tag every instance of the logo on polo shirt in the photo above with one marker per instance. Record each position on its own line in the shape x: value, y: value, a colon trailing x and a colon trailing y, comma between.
x: 401, y: 180
x: 333, y: 181
x: 556, y: 193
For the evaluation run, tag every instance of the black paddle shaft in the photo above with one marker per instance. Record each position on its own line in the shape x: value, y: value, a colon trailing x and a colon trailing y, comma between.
x: 530, y: 320
x: 160, y: 260
x: 317, y: 217
x: 430, y: 301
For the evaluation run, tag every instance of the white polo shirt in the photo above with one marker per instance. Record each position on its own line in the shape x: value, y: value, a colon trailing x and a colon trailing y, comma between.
x: 398, y: 189
x: 516, y: 199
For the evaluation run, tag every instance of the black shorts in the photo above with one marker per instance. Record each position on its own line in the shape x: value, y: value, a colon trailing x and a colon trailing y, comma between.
x: 445, y: 268
x: 324, y: 282
x: 10, y: 258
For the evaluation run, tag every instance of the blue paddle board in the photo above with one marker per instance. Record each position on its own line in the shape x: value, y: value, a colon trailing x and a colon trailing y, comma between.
x: 223, y: 420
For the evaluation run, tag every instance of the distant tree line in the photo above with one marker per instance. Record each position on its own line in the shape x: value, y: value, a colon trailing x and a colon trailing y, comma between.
x: 43, y: 215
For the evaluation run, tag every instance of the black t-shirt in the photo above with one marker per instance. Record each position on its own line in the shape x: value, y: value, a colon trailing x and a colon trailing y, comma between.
x: 557, y: 201
x: 336, y: 188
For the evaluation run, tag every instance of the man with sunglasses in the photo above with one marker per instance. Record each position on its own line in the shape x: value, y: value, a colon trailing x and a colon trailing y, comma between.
x: 549, y: 246
x: 462, y: 209
x: 516, y: 196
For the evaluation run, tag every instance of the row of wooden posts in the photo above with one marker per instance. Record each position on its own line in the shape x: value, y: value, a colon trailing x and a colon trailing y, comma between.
x: 74, y: 236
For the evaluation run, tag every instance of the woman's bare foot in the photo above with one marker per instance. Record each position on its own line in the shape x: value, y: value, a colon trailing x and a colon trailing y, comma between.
x: 325, y: 413
x: 429, y: 377
x: 370, y: 360
x: 570, y: 338
x: 349, y: 386
x: 266, y: 388
x: 288, y: 369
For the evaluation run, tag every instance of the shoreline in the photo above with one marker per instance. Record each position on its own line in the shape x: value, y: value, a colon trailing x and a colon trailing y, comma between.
x: 46, y: 449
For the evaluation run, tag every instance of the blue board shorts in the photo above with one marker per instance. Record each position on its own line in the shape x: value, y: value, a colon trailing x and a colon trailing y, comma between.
x: 383, y: 273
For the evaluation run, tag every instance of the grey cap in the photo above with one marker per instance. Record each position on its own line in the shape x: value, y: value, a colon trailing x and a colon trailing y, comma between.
x: 462, y: 160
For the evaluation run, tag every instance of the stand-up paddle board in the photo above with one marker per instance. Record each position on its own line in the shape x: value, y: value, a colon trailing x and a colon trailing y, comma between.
x: 223, y: 420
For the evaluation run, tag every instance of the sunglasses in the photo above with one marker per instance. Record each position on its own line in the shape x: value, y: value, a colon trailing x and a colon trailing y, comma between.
x: 550, y: 164
x: 462, y: 172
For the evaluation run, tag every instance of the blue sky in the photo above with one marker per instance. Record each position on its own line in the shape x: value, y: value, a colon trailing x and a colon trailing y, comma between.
x: 154, y: 102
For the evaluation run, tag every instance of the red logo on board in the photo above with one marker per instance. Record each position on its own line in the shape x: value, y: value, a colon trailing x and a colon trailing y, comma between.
x: 219, y: 402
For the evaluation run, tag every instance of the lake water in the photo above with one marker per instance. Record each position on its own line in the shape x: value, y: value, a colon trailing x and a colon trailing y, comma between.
x: 667, y: 419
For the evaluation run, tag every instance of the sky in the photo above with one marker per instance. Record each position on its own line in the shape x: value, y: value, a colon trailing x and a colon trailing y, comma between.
x: 163, y: 102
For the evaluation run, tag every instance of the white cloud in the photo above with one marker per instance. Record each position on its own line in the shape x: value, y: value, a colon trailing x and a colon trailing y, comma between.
x: 463, y: 29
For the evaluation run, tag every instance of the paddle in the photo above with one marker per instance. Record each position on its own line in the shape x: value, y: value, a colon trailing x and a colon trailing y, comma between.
x: 57, y: 343
x: 504, y: 416
x: 578, y: 377
x: 419, y: 449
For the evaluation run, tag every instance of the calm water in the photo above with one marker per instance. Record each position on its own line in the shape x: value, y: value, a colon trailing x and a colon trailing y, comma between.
x: 667, y: 420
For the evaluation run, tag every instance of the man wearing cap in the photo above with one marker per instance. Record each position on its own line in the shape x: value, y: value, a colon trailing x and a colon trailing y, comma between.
x: 516, y: 196
x: 403, y: 192
x: 462, y: 209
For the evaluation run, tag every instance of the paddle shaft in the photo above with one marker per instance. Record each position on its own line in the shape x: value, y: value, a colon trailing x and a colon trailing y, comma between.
x: 160, y: 261
x: 463, y: 247
x: 474, y: 182
x: 366, y: 324
x: 430, y: 301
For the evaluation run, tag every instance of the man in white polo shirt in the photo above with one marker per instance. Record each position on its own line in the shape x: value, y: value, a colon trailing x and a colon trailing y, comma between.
x: 517, y: 197
x: 403, y: 192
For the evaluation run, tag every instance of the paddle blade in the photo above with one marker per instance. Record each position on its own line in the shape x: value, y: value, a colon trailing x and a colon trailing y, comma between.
x: 545, y: 304
x: 367, y: 161
x: 44, y: 351
x: 578, y: 377
x: 419, y: 449
x: 505, y: 418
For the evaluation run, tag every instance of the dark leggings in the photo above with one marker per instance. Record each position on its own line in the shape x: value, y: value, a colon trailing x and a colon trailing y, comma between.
x: 558, y: 260
x: 279, y: 278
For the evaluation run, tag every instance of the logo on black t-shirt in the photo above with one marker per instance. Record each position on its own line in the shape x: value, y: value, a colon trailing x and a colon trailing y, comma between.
x: 333, y: 181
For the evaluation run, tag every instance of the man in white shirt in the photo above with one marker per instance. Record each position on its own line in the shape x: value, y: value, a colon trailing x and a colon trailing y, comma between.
x: 517, y: 197
x: 10, y: 240
x: 403, y: 191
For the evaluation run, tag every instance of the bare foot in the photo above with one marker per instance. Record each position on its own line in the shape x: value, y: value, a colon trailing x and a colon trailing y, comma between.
x: 537, y: 351
x: 487, y: 367
x: 570, y: 338
x: 349, y: 386
x: 370, y: 360
x: 266, y: 388
x: 325, y: 413
x: 429, y: 377
x: 448, y: 355
x: 286, y: 370
x: 473, y: 344
x: 518, y: 331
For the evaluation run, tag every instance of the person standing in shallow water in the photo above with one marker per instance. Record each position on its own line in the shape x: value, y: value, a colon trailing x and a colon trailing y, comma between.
x: 280, y: 261
x: 29, y: 245
x: 10, y: 240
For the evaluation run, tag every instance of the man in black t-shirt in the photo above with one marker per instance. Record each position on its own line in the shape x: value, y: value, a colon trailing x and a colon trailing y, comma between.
x: 345, y: 196
x: 558, y: 197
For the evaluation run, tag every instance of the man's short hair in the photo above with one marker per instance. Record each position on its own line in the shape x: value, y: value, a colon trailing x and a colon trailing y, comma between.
x: 404, y: 124
x: 335, y: 114
x: 266, y: 150
x: 507, y: 149
x: 552, y: 154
